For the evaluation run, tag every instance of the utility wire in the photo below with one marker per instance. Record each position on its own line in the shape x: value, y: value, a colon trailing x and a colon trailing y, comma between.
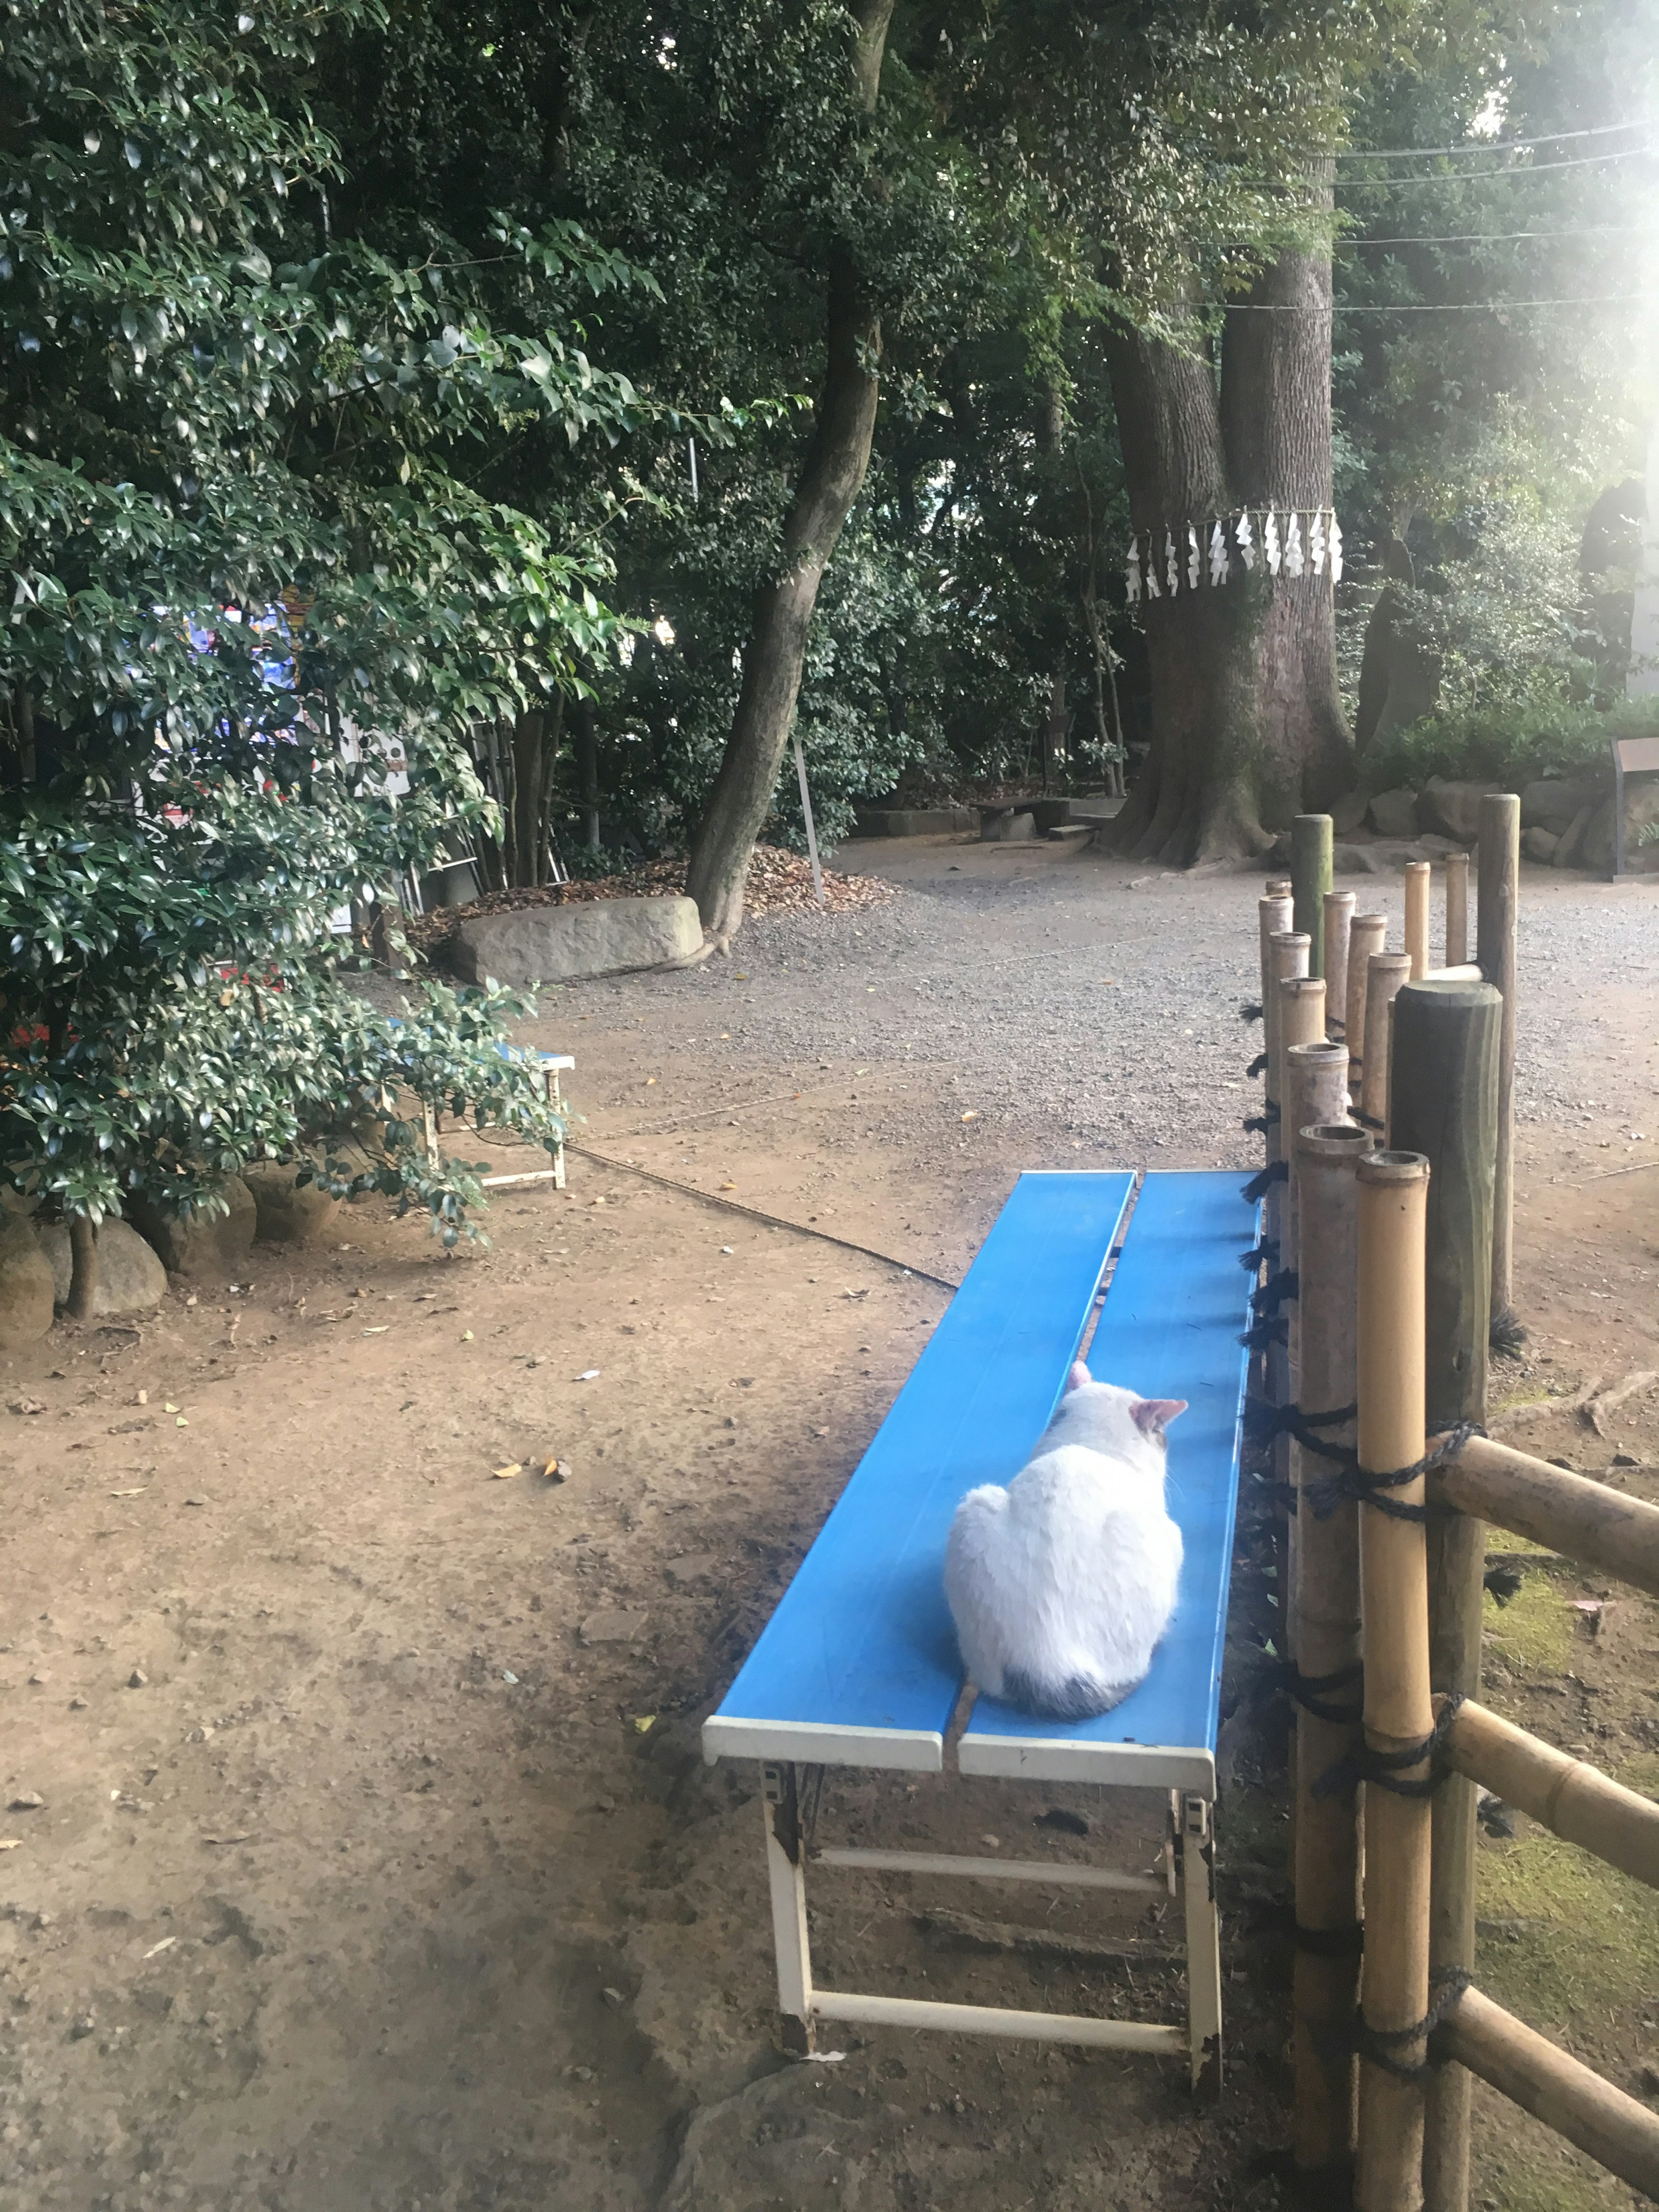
x: 1444, y: 307
x: 1480, y: 145
x: 1505, y: 237
x: 1474, y: 176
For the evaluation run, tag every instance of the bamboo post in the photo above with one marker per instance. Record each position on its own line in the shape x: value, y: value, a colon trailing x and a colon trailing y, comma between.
x: 1417, y: 874
x: 1311, y: 877
x: 1301, y: 1022
x: 1325, y: 1609
x: 1390, y: 973
x: 1616, y: 2131
x: 1272, y: 915
x: 1339, y: 924
x: 1457, y: 909
x: 1287, y: 960
x: 1443, y: 1103
x: 1367, y: 935
x: 1583, y: 1806
x: 1393, y: 1189
x: 1314, y: 1090
x: 1499, y: 895
x: 1597, y: 1526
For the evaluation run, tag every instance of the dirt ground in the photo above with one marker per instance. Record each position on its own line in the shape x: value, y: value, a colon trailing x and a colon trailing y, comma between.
x: 363, y: 1881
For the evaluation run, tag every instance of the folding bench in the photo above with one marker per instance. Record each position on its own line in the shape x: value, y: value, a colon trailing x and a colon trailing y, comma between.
x: 859, y: 1665
x: 548, y: 1067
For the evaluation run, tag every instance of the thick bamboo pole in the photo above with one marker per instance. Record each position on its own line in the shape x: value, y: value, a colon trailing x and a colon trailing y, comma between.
x: 1500, y: 892
x: 1310, y: 875
x: 1339, y: 924
x: 1417, y: 874
x: 1579, y: 1804
x: 1315, y: 1095
x: 1367, y: 935
x: 1443, y: 1103
x: 1301, y: 1022
x: 1393, y: 1189
x: 1272, y: 915
x: 1325, y: 1613
x: 1287, y: 963
x: 1390, y: 973
x: 1614, y: 2129
x: 1457, y: 909
x: 1568, y: 1513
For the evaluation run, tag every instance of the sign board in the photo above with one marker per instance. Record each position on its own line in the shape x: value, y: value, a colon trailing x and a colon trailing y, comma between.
x: 1630, y: 756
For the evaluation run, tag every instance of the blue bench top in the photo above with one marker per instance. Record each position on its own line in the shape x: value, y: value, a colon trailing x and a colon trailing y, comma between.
x: 858, y: 1664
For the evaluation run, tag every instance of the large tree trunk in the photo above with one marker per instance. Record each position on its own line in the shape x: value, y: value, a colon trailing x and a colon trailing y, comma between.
x: 831, y: 480
x: 1248, y: 727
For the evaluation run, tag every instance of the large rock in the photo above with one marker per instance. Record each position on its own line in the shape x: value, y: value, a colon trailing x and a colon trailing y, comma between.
x: 1393, y: 813
x: 913, y: 821
x: 289, y: 1212
x: 1452, y: 809
x: 1349, y: 812
x: 131, y: 1278
x: 26, y: 1290
x: 211, y: 1247
x: 1355, y: 860
x: 1551, y: 804
x: 1595, y: 850
x: 559, y: 943
x: 1539, y: 844
x: 1005, y: 824
x: 1565, y: 855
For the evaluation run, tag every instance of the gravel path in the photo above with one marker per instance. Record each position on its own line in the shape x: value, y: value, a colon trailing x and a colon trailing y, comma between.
x: 1077, y: 993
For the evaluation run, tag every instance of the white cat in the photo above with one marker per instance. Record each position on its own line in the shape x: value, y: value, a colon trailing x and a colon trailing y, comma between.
x: 1062, y: 1585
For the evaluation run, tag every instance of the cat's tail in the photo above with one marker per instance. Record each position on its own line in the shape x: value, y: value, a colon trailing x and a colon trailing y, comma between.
x: 1078, y: 1698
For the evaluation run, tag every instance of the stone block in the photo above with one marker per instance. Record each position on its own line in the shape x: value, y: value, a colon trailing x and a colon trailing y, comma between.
x: 27, y: 1289
x: 1349, y: 812
x: 1539, y: 844
x: 1552, y: 803
x: 1006, y: 826
x: 562, y: 944
x: 1393, y: 813
x: 1565, y: 855
x: 1355, y: 860
x: 1451, y: 810
x: 915, y: 821
x: 1595, y: 849
x: 287, y: 1212
x: 211, y: 1248
x: 130, y: 1277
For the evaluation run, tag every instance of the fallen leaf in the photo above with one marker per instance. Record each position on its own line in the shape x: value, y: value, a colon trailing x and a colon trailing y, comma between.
x: 198, y: 1501
x: 972, y: 1115
x: 728, y: 1186
x: 588, y: 1375
x: 181, y: 1423
x: 169, y: 1408
x: 129, y: 1493
x: 857, y: 1294
x: 166, y: 1944
x: 505, y: 1474
x: 243, y: 1836
x: 554, y: 1472
x: 466, y: 1336
x: 27, y: 1405
x: 11, y: 1842
x: 381, y: 1331
x: 644, y: 1722
x: 508, y: 1675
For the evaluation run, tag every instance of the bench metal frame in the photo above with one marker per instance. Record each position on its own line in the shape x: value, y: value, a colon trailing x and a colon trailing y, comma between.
x: 551, y: 1065
x: 1188, y: 1856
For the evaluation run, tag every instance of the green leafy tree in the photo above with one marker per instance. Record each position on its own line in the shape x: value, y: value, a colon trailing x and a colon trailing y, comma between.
x: 239, y: 514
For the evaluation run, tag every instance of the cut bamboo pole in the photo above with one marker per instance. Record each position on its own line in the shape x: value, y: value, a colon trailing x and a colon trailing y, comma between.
x: 1585, y: 1520
x: 1443, y: 1103
x: 1310, y: 878
x: 1390, y: 973
x: 1287, y: 959
x: 1457, y: 909
x: 1339, y: 924
x: 1315, y: 1095
x: 1325, y: 1612
x: 1301, y: 1022
x: 1417, y: 874
x: 1614, y: 2130
x: 1278, y: 887
x: 1581, y: 1805
x: 1393, y: 1189
x: 1367, y: 935
x: 1500, y: 892
x: 1274, y: 916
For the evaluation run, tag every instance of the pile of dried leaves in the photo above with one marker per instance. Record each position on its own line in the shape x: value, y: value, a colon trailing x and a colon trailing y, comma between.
x: 779, y: 882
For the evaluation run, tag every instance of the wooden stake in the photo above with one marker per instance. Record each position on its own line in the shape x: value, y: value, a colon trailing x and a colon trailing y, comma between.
x: 1457, y: 909
x: 1499, y: 893
x: 1393, y: 1189
x: 1367, y: 935
x: 1339, y: 924
x: 1310, y: 875
x: 1325, y: 1633
x: 1585, y: 1806
x: 1597, y: 1526
x: 1417, y: 916
x: 1443, y: 1103
x: 1615, y: 2130
x: 1390, y: 973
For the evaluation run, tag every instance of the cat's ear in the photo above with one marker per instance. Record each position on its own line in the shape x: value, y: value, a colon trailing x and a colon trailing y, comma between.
x: 1153, y: 1415
x: 1079, y: 1375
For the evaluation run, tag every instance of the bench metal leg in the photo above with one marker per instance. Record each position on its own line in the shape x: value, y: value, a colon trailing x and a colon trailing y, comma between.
x: 1197, y: 1839
x: 557, y: 1104
x: 786, y: 1875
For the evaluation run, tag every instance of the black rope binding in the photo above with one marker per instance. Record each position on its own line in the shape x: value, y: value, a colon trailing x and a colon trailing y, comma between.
x: 1271, y: 1328
x: 1268, y: 1119
x: 1263, y: 1422
x: 1272, y: 1294
x: 1355, y: 1482
x: 1305, y: 1689
x: 1257, y: 1067
x: 1381, y: 1769
x: 1379, y: 2045
x: 1267, y: 1250
x: 1249, y: 1013
x: 1330, y: 1943
x: 1370, y: 1122
x: 1260, y: 1185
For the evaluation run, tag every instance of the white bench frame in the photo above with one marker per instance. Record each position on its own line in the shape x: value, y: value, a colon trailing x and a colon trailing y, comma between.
x: 1189, y: 1858
x: 552, y: 1064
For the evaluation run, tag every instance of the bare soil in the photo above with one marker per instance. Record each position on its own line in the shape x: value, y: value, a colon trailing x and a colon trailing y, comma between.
x: 364, y: 1882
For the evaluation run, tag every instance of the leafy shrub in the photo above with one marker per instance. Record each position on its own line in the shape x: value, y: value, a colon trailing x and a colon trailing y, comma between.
x: 1509, y: 745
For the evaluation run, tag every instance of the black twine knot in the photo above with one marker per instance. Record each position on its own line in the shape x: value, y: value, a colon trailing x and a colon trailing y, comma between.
x: 1249, y: 1013
x: 1260, y: 1185
x: 1286, y: 1284
x: 1306, y: 1691
x: 1380, y: 2046
x: 1264, y: 1422
x: 1257, y: 1067
x: 1370, y: 1122
x: 1267, y: 1250
x: 1384, y: 1770
x: 1353, y: 1481
x: 1271, y: 1328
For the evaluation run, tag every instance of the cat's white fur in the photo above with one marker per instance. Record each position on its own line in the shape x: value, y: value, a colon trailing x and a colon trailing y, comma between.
x: 1062, y: 1585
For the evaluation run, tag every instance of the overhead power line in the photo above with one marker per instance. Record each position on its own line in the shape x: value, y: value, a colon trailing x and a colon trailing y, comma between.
x: 1483, y: 145
x: 1507, y: 237
x: 1472, y: 176
x: 1444, y: 307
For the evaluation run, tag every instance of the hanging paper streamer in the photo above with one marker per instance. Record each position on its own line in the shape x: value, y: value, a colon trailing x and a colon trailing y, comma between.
x: 1246, y: 540
x: 1195, y: 559
x: 1171, y: 565
x: 1131, y: 573
x: 1290, y: 542
x: 1270, y: 542
x: 1293, y: 561
x: 1316, y: 543
x: 1336, y: 550
x: 1218, y: 555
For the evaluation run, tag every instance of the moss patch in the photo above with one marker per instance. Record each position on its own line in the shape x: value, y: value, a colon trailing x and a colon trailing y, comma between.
x: 1587, y: 1933
x: 1534, y: 1631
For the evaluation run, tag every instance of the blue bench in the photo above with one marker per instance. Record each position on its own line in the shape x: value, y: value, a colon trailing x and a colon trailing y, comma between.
x: 859, y: 1667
